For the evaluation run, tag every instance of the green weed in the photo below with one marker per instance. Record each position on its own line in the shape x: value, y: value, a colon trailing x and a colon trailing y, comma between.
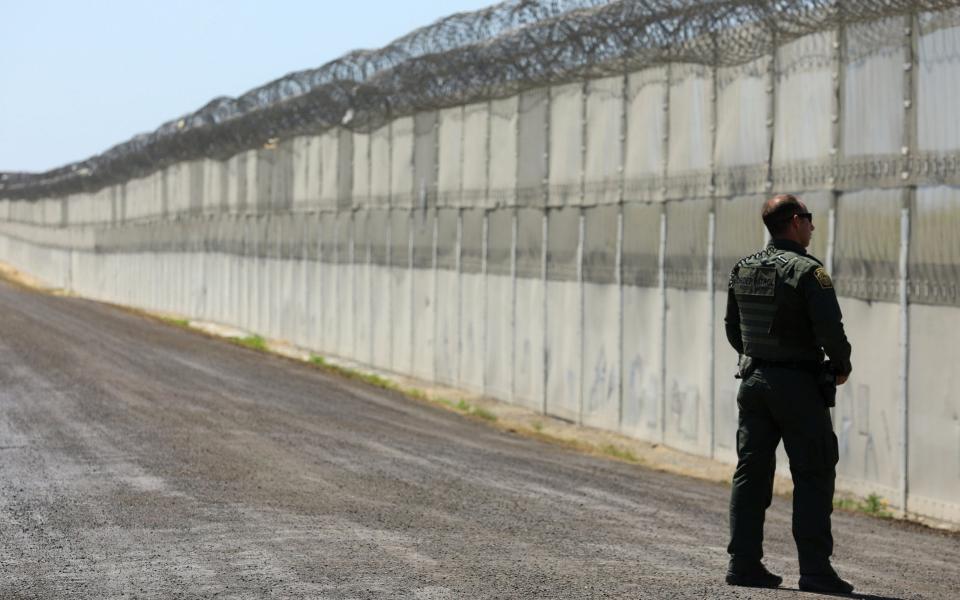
x: 469, y: 409
x: 877, y: 506
x: 484, y: 414
x: 873, y: 505
x: 415, y: 393
x: 378, y: 381
x: 254, y: 342
x: 621, y: 453
x: 369, y: 378
x: 446, y: 402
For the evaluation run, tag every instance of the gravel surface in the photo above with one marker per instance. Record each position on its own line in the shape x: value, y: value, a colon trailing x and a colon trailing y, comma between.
x: 139, y: 460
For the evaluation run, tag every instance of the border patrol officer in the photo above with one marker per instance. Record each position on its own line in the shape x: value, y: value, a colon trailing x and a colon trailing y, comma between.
x: 782, y: 316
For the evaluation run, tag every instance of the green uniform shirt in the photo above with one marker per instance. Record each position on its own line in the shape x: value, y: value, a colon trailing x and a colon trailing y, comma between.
x: 781, y: 306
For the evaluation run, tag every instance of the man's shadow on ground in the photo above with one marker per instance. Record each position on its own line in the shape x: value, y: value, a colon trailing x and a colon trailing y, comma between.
x: 854, y: 595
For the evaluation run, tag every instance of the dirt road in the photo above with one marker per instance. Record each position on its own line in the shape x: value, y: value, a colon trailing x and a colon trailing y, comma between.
x: 141, y: 460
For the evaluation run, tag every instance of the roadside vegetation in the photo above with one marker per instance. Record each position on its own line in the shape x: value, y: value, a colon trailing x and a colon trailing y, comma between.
x: 620, y: 453
x: 461, y: 406
x: 182, y: 323
x: 254, y: 342
x: 873, y: 505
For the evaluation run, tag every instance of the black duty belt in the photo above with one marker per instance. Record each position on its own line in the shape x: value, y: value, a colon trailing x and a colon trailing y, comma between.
x: 811, y: 366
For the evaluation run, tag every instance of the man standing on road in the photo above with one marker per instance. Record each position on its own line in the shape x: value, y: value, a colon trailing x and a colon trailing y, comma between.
x: 782, y: 315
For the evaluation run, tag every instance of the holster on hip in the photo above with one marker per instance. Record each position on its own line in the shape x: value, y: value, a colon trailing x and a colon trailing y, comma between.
x: 827, y: 383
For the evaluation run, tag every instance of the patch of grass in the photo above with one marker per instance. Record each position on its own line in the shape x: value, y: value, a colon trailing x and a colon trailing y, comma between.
x: 461, y: 406
x: 368, y: 378
x: 873, y: 505
x: 469, y: 409
x: 177, y: 322
x: 877, y: 506
x: 845, y: 503
x: 415, y: 394
x: 446, y: 402
x: 378, y: 381
x: 254, y: 342
x: 572, y: 444
x: 621, y: 453
x: 538, y: 426
x: 484, y: 414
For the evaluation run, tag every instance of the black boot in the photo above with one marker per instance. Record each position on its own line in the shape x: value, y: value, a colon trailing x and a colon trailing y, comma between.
x: 752, y: 575
x: 826, y: 583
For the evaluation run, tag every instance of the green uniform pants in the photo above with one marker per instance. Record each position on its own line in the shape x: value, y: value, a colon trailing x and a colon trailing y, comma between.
x: 782, y: 403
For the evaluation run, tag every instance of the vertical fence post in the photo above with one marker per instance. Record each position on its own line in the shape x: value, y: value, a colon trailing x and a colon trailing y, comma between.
x: 618, y: 281
x: 484, y: 248
x: 662, y: 292
x: 711, y: 257
x: 436, y: 214
x: 771, y: 119
x: 243, y: 287
x: 712, y: 324
x: 458, y: 373
x: 387, y: 268
x: 514, y: 240
x: 662, y: 255
x: 909, y: 150
x: 514, y: 225
x: 836, y: 137
x: 485, y: 345
x: 618, y: 264
x: 836, y: 143
x: 369, y: 291
x: 258, y: 249
x: 581, y: 287
x: 326, y: 285
x: 250, y: 240
x: 279, y: 270
x: 904, y: 348
x: 411, y: 296
x: 371, y: 360
x: 355, y: 314
x: 433, y: 300
x: 545, y: 248
x: 305, y: 281
x: 581, y: 229
x: 458, y: 376
x: 545, y: 226
x: 334, y: 335
x: 389, y: 278
x: 337, y: 275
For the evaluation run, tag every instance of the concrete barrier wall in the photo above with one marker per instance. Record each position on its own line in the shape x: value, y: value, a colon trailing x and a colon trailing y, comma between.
x: 568, y: 249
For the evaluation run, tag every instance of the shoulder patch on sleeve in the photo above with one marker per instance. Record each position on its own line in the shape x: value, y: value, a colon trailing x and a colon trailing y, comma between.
x: 823, y: 278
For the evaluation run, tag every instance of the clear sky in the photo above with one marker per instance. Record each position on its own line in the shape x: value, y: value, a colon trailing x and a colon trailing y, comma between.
x: 77, y: 77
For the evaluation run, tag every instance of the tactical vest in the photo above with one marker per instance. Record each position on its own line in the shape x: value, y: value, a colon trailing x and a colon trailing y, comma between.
x: 774, y: 324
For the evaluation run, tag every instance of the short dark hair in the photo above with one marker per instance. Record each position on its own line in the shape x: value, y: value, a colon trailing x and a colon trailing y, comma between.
x: 778, y: 211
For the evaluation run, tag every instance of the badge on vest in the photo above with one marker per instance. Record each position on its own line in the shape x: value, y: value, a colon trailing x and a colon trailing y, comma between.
x: 823, y: 278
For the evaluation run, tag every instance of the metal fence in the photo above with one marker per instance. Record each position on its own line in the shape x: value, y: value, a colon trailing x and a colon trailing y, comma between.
x: 559, y: 234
